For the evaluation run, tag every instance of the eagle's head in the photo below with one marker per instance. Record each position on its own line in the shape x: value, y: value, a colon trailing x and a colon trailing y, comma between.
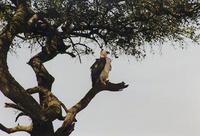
x: 104, y: 53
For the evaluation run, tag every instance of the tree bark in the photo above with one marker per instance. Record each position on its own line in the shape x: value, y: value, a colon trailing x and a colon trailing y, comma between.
x: 69, y: 122
x: 49, y: 107
x: 8, y: 85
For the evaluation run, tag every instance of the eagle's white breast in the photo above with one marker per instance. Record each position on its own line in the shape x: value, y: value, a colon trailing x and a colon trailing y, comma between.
x: 105, y: 72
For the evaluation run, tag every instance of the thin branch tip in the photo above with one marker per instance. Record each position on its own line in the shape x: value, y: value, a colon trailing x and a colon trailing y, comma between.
x: 19, y: 115
x: 14, y: 106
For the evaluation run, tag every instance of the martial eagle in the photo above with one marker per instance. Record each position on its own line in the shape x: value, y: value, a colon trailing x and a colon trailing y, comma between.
x: 100, y: 69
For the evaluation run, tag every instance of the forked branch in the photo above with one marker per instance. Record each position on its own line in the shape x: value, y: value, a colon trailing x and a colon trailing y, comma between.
x: 52, y: 109
x: 69, y: 122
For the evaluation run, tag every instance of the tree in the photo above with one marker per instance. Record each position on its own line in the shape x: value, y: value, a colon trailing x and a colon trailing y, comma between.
x: 66, y: 27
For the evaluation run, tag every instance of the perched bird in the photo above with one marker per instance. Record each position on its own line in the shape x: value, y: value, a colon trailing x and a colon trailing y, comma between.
x: 100, y: 69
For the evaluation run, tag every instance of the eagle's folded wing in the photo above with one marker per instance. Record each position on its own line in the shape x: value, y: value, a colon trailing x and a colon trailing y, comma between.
x: 96, y: 69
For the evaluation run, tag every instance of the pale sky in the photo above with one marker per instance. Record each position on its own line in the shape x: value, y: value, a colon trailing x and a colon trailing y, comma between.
x: 163, y: 98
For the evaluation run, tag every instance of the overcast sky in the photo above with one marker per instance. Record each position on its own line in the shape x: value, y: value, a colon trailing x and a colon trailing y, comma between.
x: 163, y: 98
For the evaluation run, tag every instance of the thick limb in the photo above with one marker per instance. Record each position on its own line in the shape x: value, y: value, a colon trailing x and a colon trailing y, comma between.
x: 52, y: 105
x: 8, y: 85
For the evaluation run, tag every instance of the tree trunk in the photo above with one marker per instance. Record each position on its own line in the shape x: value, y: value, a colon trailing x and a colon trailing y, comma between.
x: 45, y: 129
x: 49, y: 108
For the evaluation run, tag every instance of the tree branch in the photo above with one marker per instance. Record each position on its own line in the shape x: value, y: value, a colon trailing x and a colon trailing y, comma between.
x: 15, y: 106
x: 20, y: 108
x: 8, y: 85
x: 69, y: 122
x: 51, y: 104
x: 19, y: 115
x: 18, y: 128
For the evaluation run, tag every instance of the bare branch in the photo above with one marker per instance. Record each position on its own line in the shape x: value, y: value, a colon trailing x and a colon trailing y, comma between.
x: 70, y: 54
x: 21, y: 37
x: 73, y: 46
x: 113, y: 87
x: 69, y: 122
x: 87, y: 36
x: 19, y: 115
x: 68, y: 126
x: 64, y: 107
x: 18, y: 128
x: 52, y: 108
x: 9, y: 86
x: 33, y: 90
x: 15, y: 106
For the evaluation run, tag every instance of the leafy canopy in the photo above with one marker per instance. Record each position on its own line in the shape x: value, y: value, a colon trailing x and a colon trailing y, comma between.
x: 120, y: 25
